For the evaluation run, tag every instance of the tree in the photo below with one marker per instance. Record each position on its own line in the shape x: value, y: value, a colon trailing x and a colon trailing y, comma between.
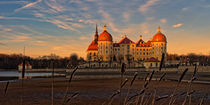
x: 73, y: 61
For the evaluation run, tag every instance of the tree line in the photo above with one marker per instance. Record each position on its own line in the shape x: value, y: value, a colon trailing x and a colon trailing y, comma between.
x: 12, y: 61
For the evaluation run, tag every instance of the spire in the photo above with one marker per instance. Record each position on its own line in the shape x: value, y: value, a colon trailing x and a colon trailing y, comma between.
x: 96, y: 29
x: 159, y: 30
x: 105, y: 27
x: 96, y: 35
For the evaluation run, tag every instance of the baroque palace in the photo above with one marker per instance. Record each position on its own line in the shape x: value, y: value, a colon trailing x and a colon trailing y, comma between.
x: 103, y: 52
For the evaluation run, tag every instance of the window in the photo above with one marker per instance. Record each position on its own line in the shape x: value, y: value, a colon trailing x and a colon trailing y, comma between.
x: 143, y: 49
x: 137, y: 49
x: 133, y: 45
x: 143, y: 53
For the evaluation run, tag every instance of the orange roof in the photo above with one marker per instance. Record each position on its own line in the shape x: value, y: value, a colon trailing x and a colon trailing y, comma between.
x: 152, y: 59
x: 93, y: 46
x: 141, y: 43
x: 125, y: 40
x: 105, y: 36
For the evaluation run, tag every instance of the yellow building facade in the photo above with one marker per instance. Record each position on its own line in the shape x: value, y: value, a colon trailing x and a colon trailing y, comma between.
x: 103, y: 49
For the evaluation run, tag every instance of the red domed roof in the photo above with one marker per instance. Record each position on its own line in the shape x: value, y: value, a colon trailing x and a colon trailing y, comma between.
x: 159, y: 37
x: 93, y: 46
x: 105, y: 36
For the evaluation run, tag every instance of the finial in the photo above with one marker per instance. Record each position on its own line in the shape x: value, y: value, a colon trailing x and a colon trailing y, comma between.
x: 125, y: 36
x: 140, y: 37
x: 159, y: 29
x: 105, y: 27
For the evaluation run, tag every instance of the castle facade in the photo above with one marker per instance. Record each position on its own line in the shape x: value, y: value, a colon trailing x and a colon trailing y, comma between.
x: 102, y: 49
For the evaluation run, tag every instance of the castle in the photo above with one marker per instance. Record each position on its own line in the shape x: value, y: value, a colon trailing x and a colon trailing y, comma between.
x: 103, y: 52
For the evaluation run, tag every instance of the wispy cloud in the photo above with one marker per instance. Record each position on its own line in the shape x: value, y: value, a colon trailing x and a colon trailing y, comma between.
x: 28, y: 5
x: 163, y: 20
x: 177, y: 25
x: 144, y: 8
x: 109, y: 20
x: 126, y: 16
x: 2, y: 44
x: 185, y: 9
x: 62, y: 24
x: 55, y: 6
x: 12, y: 2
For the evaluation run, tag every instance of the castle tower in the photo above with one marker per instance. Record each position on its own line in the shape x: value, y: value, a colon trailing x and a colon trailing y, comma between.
x: 159, y: 44
x: 105, y: 46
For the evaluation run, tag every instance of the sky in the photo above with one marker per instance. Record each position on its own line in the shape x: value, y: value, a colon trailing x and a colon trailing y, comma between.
x: 64, y: 27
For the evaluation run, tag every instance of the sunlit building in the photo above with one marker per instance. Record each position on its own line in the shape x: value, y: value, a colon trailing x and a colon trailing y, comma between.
x: 104, y: 52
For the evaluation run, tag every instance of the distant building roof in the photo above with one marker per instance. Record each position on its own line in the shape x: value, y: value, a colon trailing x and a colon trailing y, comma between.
x: 152, y: 59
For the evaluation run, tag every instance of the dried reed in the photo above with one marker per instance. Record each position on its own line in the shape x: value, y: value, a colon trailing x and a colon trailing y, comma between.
x: 68, y: 85
x: 162, y: 61
x: 6, y: 88
x: 179, y: 81
x: 128, y: 91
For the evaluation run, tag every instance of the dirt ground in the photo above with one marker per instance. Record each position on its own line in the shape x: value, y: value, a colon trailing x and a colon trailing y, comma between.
x: 93, y: 91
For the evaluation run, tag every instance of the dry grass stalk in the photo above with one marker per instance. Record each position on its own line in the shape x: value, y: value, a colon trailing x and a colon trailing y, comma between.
x: 6, y: 88
x: 202, y: 99
x: 153, y: 100
x: 190, y: 87
x: 162, y: 61
x: 116, y: 92
x: 73, y: 96
x: 142, y: 91
x: 179, y: 81
x: 52, y: 91
x: 121, y: 79
x: 134, y: 78
x: 161, y: 78
x: 68, y: 85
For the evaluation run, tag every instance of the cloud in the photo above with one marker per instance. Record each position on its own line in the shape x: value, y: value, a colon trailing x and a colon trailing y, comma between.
x: 84, y: 38
x: 2, y: 17
x: 185, y: 9
x: 12, y: 2
x: 109, y: 20
x: 28, y: 5
x: 126, y: 16
x: 38, y: 15
x: 177, y: 25
x: 55, y: 6
x: 144, y: 8
x: 206, y: 6
x: 2, y: 44
x: 62, y: 24
x: 163, y: 20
